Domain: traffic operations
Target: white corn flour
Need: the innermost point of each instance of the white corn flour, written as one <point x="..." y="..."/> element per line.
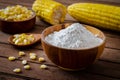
<point x="74" y="36"/>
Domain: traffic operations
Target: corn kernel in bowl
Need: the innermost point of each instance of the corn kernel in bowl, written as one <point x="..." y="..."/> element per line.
<point x="15" y="13"/>
<point x="23" y="39"/>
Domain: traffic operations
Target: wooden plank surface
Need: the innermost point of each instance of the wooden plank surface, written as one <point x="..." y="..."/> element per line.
<point x="107" y="67"/>
<point x="102" y="71"/>
<point x="3" y="77"/>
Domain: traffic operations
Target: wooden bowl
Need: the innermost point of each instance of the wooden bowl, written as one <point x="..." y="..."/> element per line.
<point x="72" y="59"/>
<point x="37" y="38"/>
<point x="13" y="27"/>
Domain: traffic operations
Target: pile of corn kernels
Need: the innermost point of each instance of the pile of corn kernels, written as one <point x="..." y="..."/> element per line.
<point x="26" y="66"/>
<point x="15" y="13"/>
<point x="23" y="39"/>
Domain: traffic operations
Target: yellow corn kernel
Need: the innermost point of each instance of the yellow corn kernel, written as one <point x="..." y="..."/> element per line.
<point x="99" y="15"/>
<point x="41" y="59"/>
<point x="32" y="54"/>
<point x="17" y="70"/>
<point x="21" y="53"/>
<point x="49" y="11"/>
<point x="11" y="58"/>
<point x="27" y="67"/>
<point x="24" y="62"/>
<point x="43" y="66"/>
<point x="33" y="57"/>
<point x="18" y="41"/>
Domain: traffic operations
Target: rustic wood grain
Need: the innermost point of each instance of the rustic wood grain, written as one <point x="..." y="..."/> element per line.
<point x="37" y="73"/>
<point x="112" y="55"/>
<point x="3" y="77"/>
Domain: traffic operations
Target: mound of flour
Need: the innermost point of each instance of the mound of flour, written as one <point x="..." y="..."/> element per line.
<point x="74" y="36"/>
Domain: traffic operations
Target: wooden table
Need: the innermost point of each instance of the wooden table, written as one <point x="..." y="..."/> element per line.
<point x="106" y="68"/>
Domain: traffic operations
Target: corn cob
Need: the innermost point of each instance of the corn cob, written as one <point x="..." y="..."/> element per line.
<point x="50" y="11"/>
<point x="99" y="15"/>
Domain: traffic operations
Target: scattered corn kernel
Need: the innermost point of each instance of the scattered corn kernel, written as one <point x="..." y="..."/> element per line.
<point x="11" y="58"/>
<point x="15" y="13"/>
<point x="32" y="54"/>
<point x="21" y="53"/>
<point x="27" y="67"/>
<point x="41" y="59"/>
<point x="33" y="57"/>
<point x="23" y="39"/>
<point x="43" y="66"/>
<point x="24" y="62"/>
<point x="17" y="70"/>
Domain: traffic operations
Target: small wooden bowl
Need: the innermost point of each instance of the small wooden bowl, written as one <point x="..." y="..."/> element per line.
<point x="72" y="59"/>
<point x="36" y="36"/>
<point x="13" y="27"/>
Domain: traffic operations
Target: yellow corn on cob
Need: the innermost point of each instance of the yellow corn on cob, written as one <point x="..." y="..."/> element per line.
<point x="99" y="15"/>
<point x="50" y="11"/>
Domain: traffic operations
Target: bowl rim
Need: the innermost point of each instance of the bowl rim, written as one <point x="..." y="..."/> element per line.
<point x="103" y="42"/>
<point x="33" y="16"/>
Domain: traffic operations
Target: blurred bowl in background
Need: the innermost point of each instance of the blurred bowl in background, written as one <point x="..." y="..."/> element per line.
<point x="13" y="27"/>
